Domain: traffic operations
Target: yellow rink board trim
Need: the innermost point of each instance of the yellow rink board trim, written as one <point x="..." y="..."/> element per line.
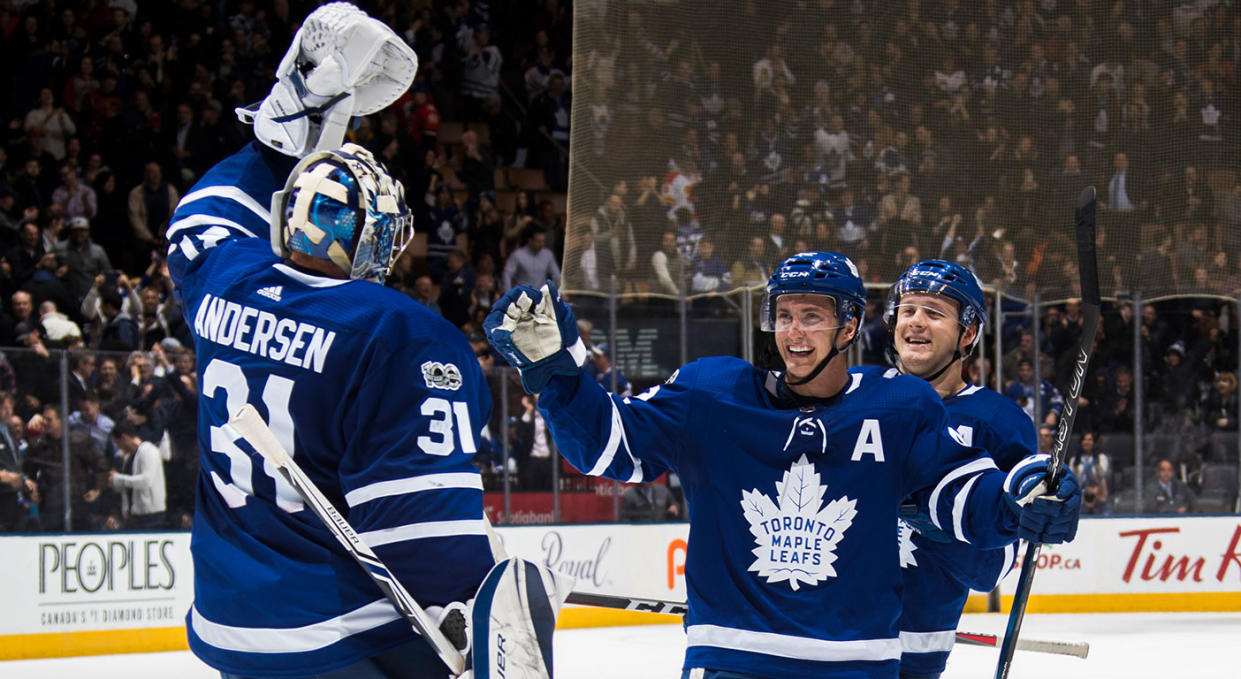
<point x="62" y="644"/>
<point x="27" y="646"/>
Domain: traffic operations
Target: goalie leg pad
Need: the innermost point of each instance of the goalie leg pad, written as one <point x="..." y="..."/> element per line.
<point x="512" y="619"/>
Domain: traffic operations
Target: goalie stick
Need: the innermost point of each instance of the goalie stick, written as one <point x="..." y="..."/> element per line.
<point x="1088" y="270"/>
<point x="247" y="422"/>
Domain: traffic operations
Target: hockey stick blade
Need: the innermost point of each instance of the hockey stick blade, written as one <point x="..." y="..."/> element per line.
<point x="250" y="425"/>
<point x="1078" y="649"/>
<point x="1088" y="271"/>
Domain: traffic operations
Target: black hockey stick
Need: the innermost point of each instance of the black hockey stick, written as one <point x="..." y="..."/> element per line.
<point x="1088" y="270"/>
<point x="254" y="430"/>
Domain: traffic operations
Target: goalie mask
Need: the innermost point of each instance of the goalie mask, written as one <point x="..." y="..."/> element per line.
<point x="343" y="206"/>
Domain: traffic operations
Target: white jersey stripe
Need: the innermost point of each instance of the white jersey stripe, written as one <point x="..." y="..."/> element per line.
<point x="1008" y="562"/>
<point x="971" y="467"/>
<point x="927" y="642"/>
<point x="798" y="648"/>
<point x="426" y="529"/>
<point x="616" y="438"/>
<point x="292" y="639"/>
<point x="309" y="280"/>
<point x="232" y="193"/>
<point x="413" y="484"/>
<point x="200" y="220"/>
<point x="958" y="508"/>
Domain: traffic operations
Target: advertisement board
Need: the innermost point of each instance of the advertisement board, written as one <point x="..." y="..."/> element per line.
<point x="128" y="592"/>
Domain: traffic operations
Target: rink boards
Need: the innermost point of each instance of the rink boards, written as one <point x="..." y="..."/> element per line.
<point x="128" y="592"/>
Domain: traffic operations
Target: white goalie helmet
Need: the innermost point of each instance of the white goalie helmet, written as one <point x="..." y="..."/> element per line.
<point x="343" y="206"/>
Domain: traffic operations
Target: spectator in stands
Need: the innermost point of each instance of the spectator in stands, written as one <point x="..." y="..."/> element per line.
<point x="480" y="73"/>
<point x="75" y="199"/>
<point x="1219" y="413"/>
<point x="1125" y="192"/>
<point x="616" y="249"/>
<point x="854" y="224"/>
<point x="477" y="167"/>
<point x="84" y="258"/>
<point x="1025" y="351"/>
<point x="535" y="459"/>
<point x="150" y="205"/>
<point x="1167" y="494"/>
<point x="446" y="232"/>
<point x="454" y="300"/>
<point x="601" y="367"/>
<point x="1093" y="466"/>
<point x="548" y="122"/>
<point x="88" y="470"/>
<point x="51" y="122"/>
<point x="118" y="331"/>
<point x="16" y="489"/>
<point x="668" y="266"/>
<point x="114" y="394"/>
<point x="751" y="269"/>
<point x="24" y="256"/>
<point x="140" y="479"/>
<point x="153" y="326"/>
<point x="45" y="285"/>
<point x="88" y="418"/>
<point x="424" y="294"/>
<point x="708" y="273"/>
<point x="531" y="264"/>
<point x="649" y="502"/>
<point x="1175" y="382"/>
<point x="1051" y="402"/>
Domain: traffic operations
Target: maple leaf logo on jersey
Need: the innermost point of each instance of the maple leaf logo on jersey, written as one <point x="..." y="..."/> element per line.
<point x="797" y="539"/>
<point x="906" y="537"/>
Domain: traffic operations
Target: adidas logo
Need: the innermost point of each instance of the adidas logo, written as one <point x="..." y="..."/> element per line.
<point x="272" y="292"/>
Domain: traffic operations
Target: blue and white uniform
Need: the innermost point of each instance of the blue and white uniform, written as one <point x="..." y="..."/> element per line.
<point x="939" y="572"/>
<point x="380" y="401"/>
<point x="791" y="569"/>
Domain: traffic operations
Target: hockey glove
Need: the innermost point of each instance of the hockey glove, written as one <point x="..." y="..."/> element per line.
<point x="342" y="63"/>
<point x="1049" y="519"/>
<point x="536" y="332"/>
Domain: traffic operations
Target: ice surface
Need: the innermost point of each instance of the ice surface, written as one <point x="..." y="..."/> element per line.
<point x="1123" y="646"/>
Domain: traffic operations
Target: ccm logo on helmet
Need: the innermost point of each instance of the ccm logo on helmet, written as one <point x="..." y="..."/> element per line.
<point x="795" y="274"/>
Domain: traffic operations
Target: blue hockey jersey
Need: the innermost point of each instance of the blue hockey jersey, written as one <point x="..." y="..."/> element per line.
<point x="939" y="575"/>
<point x="791" y="568"/>
<point x="380" y="401"/>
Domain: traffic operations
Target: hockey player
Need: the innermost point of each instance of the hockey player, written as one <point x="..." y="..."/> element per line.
<point x="936" y="313"/>
<point x="380" y="401"/>
<point x="794" y="480"/>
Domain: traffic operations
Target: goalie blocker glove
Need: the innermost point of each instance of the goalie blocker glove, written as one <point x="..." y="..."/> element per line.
<point x="1044" y="518"/>
<point x="536" y="332"/>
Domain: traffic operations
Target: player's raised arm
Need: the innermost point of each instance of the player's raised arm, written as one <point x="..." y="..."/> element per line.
<point x="627" y="439"/>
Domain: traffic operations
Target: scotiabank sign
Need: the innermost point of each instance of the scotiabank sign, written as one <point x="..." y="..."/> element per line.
<point x="1143" y="555"/>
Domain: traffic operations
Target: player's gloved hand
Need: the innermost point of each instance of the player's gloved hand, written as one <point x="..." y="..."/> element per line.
<point x="1043" y="517"/>
<point x="536" y="332"/>
<point x="342" y="63"/>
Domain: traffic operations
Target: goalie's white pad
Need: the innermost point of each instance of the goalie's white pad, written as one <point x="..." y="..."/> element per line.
<point x="342" y="63"/>
<point x="512" y="619"/>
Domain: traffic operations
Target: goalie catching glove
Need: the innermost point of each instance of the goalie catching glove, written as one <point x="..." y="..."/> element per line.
<point x="1043" y="517"/>
<point x="342" y="63"/>
<point x="536" y="333"/>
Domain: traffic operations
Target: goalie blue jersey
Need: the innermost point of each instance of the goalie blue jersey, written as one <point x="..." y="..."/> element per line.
<point x="791" y="569"/>
<point x="940" y="574"/>
<point x="380" y="401"/>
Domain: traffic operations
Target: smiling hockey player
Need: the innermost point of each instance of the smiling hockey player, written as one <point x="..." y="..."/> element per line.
<point x="794" y="479"/>
<point x="936" y="313"/>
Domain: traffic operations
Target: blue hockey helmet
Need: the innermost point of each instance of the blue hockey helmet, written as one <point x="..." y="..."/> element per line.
<point x="940" y="277"/>
<point x="344" y="207"/>
<point x="817" y="273"/>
